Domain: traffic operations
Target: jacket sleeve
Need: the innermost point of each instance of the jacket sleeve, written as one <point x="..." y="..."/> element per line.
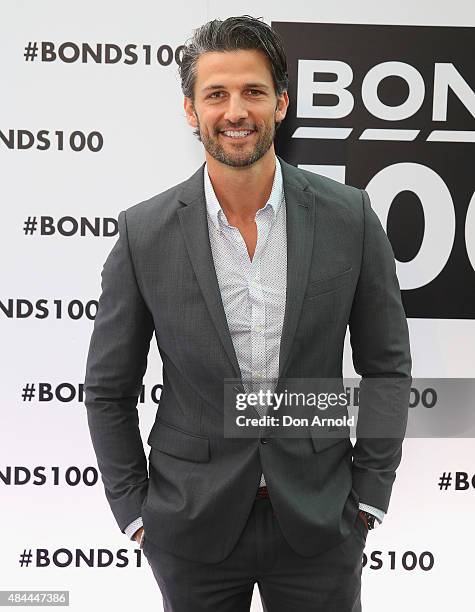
<point x="381" y="355"/>
<point x="116" y="364"/>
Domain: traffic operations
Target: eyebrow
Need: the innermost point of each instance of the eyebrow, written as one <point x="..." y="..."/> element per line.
<point x="246" y="85"/>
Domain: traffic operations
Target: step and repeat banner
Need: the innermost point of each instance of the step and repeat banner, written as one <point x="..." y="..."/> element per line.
<point x="92" y="122"/>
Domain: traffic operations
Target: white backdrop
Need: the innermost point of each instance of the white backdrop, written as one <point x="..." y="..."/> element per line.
<point x="147" y="147"/>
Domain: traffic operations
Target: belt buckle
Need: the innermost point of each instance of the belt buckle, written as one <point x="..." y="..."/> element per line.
<point x="262" y="492"/>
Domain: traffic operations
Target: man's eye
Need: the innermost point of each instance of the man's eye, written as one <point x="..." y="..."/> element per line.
<point x="217" y="94"/>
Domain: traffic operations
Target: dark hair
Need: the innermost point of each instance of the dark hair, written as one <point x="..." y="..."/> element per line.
<point x="232" y="34"/>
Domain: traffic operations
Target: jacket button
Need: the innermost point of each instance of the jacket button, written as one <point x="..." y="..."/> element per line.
<point x="264" y="440"/>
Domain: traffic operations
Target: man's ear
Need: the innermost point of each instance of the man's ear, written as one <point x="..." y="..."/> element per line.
<point x="190" y="112"/>
<point x="281" y="108"/>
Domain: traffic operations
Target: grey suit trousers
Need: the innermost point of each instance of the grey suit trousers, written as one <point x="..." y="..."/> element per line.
<point x="288" y="582"/>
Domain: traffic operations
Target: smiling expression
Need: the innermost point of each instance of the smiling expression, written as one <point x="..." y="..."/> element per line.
<point x="236" y="108"/>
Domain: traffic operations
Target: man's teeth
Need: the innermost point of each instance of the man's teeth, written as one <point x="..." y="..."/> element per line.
<point x="240" y="134"/>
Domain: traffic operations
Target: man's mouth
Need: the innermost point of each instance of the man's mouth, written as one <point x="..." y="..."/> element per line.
<point x="237" y="134"/>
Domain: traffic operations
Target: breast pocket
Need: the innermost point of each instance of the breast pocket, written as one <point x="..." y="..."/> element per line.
<point x="328" y="284"/>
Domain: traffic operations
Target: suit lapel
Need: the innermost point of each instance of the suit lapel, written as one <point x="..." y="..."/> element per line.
<point x="194" y="226"/>
<point x="300" y="205"/>
<point x="300" y="232"/>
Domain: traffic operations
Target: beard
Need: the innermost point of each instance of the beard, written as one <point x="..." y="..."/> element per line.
<point x="236" y="155"/>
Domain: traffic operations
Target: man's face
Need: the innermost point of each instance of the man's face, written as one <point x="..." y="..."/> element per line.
<point x="235" y="108"/>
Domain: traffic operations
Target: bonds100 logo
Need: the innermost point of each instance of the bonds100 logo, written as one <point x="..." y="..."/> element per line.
<point x="391" y="109"/>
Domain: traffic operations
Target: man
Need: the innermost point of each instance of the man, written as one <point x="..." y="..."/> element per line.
<point x="250" y="270"/>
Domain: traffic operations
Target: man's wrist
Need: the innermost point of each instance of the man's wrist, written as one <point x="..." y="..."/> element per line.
<point x="139" y="536"/>
<point x="133" y="527"/>
<point x="377" y="512"/>
<point x="368" y="518"/>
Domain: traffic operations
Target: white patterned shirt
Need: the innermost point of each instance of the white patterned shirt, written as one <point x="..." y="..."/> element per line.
<point x="253" y="292"/>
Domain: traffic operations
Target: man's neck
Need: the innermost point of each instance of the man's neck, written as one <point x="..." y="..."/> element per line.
<point x="241" y="192"/>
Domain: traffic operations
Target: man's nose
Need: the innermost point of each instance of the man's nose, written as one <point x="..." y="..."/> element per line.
<point x="236" y="109"/>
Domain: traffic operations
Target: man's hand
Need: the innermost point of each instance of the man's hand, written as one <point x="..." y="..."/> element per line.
<point x="138" y="536"/>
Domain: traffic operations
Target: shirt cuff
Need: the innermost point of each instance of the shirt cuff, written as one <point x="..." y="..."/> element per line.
<point x="379" y="514"/>
<point x="132" y="528"/>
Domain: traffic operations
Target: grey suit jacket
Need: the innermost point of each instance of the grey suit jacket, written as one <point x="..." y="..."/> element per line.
<point x="159" y="277"/>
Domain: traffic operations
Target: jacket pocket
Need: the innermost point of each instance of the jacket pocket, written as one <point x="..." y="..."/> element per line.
<point x="321" y="444"/>
<point x="325" y="285"/>
<point x="328" y="435"/>
<point x="178" y="443"/>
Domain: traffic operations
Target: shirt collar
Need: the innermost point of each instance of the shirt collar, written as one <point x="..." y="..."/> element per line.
<point x="214" y="208"/>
